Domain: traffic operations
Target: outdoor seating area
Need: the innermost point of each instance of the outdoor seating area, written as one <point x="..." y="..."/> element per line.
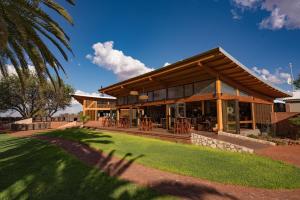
<point x="182" y="126"/>
<point x="146" y="124"/>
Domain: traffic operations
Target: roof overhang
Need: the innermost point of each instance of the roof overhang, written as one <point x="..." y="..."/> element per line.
<point x="80" y="98"/>
<point x="208" y="65"/>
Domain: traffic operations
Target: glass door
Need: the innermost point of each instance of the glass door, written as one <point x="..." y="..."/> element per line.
<point x="231" y="116"/>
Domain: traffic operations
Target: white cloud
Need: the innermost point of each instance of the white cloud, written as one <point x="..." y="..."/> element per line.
<point x="275" y="21"/>
<point x="246" y="3"/>
<point x="166" y="64"/>
<point x="12" y="71"/>
<point x="112" y="59"/>
<point x="283" y="13"/>
<point x="235" y="15"/>
<point x="278" y="78"/>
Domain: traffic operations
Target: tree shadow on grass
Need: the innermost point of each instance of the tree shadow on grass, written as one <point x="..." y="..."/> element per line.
<point x="81" y="135"/>
<point x="32" y="169"/>
<point x="189" y="191"/>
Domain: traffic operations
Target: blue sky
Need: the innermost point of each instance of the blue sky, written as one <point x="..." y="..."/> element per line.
<point x="261" y="34"/>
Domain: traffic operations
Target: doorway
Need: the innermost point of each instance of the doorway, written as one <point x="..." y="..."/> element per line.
<point x="176" y="110"/>
<point x="230" y="110"/>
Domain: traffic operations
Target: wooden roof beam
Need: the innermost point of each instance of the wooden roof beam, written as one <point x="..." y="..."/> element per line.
<point x="161" y="71"/>
<point x="230" y="82"/>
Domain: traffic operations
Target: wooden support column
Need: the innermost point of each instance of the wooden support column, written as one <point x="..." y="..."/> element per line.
<point x="253" y="116"/>
<point x="167" y="117"/>
<point x="138" y="117"/>
<point x="83" y="107"/>
<point x="118" y="117"/>
<point x="130" y="117"/>
<point x="237" y="116"/>
<point x="237" y="91"/>
<point x="202" y="107"/>
<point x="219" y="105"/>
<point x="272" y="107"/>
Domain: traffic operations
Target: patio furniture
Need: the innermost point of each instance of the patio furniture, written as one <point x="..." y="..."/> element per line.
<point x="146" y="124"/>
<point x="124" y="122"/>
<point x="182" y="125"/>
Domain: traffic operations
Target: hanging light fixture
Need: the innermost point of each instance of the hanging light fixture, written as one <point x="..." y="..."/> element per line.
<point x="143" y="96"/>
<point x="134" y="93"/>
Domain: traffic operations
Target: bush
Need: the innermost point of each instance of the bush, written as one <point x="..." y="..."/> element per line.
<point x="295" y="121"/>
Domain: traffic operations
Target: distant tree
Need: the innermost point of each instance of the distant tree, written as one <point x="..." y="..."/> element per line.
<point x="26" y="30"/>
<point x="31" y="99"/>
<point x="84" y="118"/>
<point x="297" y="82"/>
<point x="56" y="97"/>
<point x="295" y="121"/>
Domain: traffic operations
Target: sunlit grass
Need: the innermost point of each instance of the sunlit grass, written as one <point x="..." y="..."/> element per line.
<point x="34" y="169"/>
<point x="202" y="162"/>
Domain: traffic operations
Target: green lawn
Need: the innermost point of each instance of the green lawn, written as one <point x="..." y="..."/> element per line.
<point x="202" y="162"/>
<point x="33" y="169"/>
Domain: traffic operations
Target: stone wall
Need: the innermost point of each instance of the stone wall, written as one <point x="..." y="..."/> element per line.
<point x="217" y="144"/>
<point x="242" y="137"/>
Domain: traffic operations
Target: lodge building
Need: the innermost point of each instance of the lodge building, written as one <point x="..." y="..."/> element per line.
<point x="98" y="106"/>
<point x="212" y="87"/>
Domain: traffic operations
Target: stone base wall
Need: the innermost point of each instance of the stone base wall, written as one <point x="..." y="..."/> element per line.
<point x="217" y="144"/>
<point x="246" y="138"/>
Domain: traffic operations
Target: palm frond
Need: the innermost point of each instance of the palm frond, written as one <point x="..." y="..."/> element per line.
<point x="22" y="23"/>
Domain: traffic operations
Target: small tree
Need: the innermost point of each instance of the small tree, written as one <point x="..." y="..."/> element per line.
<point x="26" y="100"/>
<point x="32" y="99"/>
<point x="297" y="82"/>
<point x="296" y="122"/>
<point x="56" y="97"/>
<point x="84" y="118"/>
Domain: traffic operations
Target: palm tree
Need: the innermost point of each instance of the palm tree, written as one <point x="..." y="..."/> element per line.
<point x="24" y="26"/>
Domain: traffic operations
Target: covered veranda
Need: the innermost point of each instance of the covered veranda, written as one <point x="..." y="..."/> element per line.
<point x="211" y="91"/>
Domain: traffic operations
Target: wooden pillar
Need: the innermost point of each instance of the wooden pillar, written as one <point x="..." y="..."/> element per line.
<point x="167" y="117"/>
<point x="237" y="116"/>
<point x="219" y="105"/>
<point x="118" y="116"/>
<point x="130" y="117"/>
<point x="138" y="117"/>
<point x="203" y="107"/>
<point x="237" y="91"/>
<point x="272" y="107"/>
<point x="253" y="116"/>
<point x="83" y="107"/>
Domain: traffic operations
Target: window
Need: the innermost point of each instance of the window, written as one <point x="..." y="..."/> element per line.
<point x="122" y="100"/>
<point x="150" y="96"/>
<point x="159" y="94"/>
<point x="205" y="87"/>
<point x="175" y="92"/>
<point x="132" y="99"/>
<point x="188" y="90"/>
<point x="227" y="89"/>
<point x="244" y="94"/>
